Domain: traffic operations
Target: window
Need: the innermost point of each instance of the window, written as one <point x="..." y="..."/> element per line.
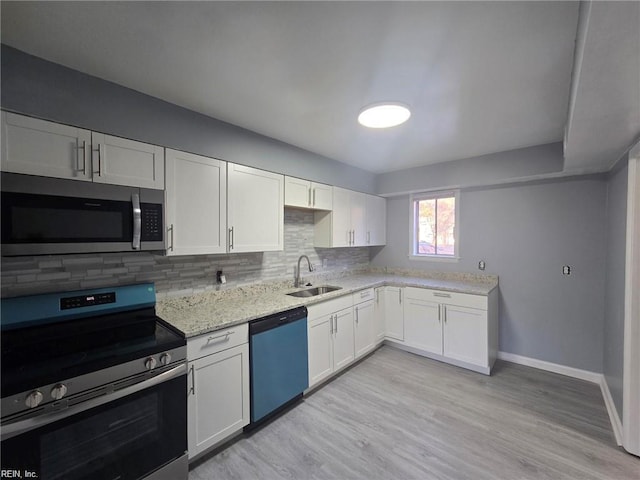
<point x="435" y="229"/>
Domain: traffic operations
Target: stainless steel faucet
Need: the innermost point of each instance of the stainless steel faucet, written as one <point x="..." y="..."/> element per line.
<point x="297" y="282"/>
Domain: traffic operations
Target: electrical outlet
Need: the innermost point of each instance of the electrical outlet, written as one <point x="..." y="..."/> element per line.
<point x="566" y="270"/>
<point x="481" y="265"/>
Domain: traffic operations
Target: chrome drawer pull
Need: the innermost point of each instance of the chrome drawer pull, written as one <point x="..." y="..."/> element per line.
<point x="444" y="295"/>
<point x="224" y="336"/>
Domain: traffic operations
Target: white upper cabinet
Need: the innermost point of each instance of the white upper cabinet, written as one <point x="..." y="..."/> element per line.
<point x="345" y="225"/>
<point x="255" y="202"/>
<point x="305" y="194"/>
<point x="120" y="161"/>
<point x="376" y="220"/>
<point x="39" y="147"/>
<point x="196" y="206"/>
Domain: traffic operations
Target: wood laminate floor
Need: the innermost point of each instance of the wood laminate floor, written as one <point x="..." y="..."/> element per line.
<point x="400" y="416"/>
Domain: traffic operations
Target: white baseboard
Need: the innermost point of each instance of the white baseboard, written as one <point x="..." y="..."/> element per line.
<point x="616" y="424"/>
<point x="587" y="375"/>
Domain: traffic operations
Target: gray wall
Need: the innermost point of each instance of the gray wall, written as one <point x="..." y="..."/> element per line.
<point x="526" y="233"/>
<point x="178" y="275"/>
<point x="35" y="87"/>
<point x="497" y="168"/>
<point x="615" y="281"/>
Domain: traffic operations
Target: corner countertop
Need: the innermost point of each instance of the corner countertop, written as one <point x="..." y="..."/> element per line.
<point x="209" y="311"/>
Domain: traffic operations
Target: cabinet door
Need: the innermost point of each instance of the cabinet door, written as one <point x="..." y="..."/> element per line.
<point x="364" y="322"/>
<point x="376" y="220"/>
<point x="321" y="196"/>
<point x="423" y="325"/>
<point x="255" y="201"/>
<point x="343" y="348"/>
<point x="341" y="218"/>
<point x="358" y="219"/>
<point x="218" y="404"/>
<point x="393" y="314"/>
<point x="119" y="161"/>
<point x="319" y="334"/>
<point x="297" y="192"/>
<point x="38" y="147"/>
<point x="466" y="335"/>
<point x="379" y="316"/>
<point x="196" y="204"/>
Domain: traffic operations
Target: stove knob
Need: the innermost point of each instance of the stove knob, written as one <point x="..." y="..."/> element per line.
<point x="58" y="391"/>
<point x="150" y="363"/>
<point x="34" y="399"/>
<point x="165" y="358"/>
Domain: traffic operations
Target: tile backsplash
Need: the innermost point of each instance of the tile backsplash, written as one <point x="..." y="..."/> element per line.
<point x="180" y="274"/>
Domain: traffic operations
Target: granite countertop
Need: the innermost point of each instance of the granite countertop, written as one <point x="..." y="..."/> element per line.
<point x="209" y="311"/>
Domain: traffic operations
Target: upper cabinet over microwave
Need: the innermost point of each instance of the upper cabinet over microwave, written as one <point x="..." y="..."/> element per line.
<point x="38" y="147"/>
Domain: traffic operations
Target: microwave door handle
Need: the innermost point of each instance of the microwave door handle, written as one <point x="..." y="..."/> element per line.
<point x="137" y="221"/>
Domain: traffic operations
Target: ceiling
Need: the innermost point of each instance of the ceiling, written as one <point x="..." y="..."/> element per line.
<point x="480" y="77"/>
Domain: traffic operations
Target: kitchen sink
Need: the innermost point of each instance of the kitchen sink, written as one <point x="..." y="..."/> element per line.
<point x="312" y="292"/>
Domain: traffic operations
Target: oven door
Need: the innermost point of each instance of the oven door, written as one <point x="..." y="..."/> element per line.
<point x="138" y="435"/>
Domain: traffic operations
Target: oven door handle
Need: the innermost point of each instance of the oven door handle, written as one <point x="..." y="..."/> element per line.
<point x="22" y="426"/>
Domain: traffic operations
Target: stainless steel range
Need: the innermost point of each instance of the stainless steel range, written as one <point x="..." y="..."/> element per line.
<point x="93" y="387"/>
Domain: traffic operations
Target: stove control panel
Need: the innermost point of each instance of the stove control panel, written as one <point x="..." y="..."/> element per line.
<point x="79" y="301"/>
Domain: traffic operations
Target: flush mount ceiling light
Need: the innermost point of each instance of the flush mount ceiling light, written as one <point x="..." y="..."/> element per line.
<point x="384" y="115"/>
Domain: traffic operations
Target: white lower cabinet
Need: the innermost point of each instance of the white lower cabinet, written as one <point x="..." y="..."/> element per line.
<point x="391" y="298"/>
<point x="454" y="327"/>
<point x="378" y="311"/>
<point x="422" y="324"/>
<point x="364" y="322"/>
<point x="330" y="335"/>
<point x="218" y="387"/>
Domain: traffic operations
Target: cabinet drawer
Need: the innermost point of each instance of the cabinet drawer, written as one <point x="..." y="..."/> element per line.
<point x="363" y="296"/>
<point x="217" y="341"/>
<point x="450" y="298"/>
<point x="329" y="307"/>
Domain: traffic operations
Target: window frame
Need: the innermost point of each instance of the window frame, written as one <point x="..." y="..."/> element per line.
<point x="434" y="257"/>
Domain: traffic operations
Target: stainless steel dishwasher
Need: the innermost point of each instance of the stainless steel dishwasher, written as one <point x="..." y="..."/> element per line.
<point x="278" y="357"/>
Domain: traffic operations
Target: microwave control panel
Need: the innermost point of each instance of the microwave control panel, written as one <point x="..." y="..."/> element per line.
<point x="152" y="228"/>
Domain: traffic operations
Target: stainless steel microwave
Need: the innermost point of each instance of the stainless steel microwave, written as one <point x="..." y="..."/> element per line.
<point x="42" y="215"/>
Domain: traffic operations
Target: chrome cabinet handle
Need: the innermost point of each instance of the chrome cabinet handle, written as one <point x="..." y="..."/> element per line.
<point x="137" y="221"/>
<point x="443" y="295"/>
<point x="399" y="295"/>
<point x="331" y="325"/>
<point x="310" y="196"/>
<point x="231" y="238"/>
<point x="444" y="312"/>
<point x="368" y="237"/>
<point x="314" y="197"/>
<point x="377" y="295"/>
<point x="84" y="157"/>
<point x="171" y="237"/>
<point x="336" y="320"/>
<point x="439" y="312"/>
<point x="192" y="390"/>
<point x="357" y="319"/>
<point x="224" y="336"/>
<point x="99" y="150"/>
